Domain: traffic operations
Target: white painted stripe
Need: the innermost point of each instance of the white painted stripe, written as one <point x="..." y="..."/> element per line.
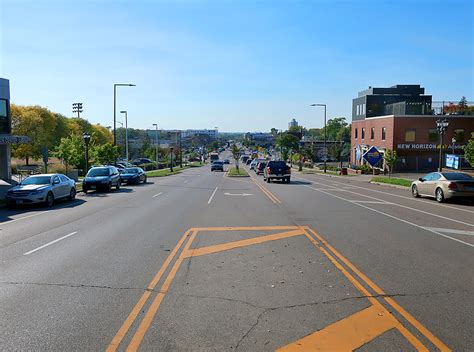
<point x="212" y="196"/>
<point x="156" y="195"/>
<point x="50" y="243"/>
<point x="369" y="201"/>
<point x="396" y="218"/>
<point x="459" y="232"/>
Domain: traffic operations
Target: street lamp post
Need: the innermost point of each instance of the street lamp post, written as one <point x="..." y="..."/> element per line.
<point x="115" y="104"/>
<point x="87" y="138"/>
<point x="325" y="151"/>
<point x="453" y="140"/>
<point x="156" y="143"/>
<point x="180" y="151"/>
<point x="126" y="135"/>
<point x="442" y="126"/>
<point x="171" y="157"/>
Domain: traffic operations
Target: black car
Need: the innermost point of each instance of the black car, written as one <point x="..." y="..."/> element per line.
<point x="277" y="170"/>
<point x="249" y="160"/>
<point x="101" y="178"/>
<point x="217" y="165"/>
<point x="260" y="167"/>
<point x="133" y="175"/>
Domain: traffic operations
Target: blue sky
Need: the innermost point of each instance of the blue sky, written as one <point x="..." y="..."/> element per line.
<point x="237" y="65"/>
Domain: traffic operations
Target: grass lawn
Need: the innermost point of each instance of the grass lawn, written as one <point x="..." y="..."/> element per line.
<point x="393" y="181"/>
<point x="233" y="172"/>
<point x="176" y="170"/>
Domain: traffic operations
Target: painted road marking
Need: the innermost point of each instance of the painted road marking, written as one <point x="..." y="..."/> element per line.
<point x="269" y="194"/>
<point x="144" y="298"/>
<point x="399" y="196"/>
<point x="158" y="194"/>
<point x="50" y="243"/>
<point x="396" y="218"/>
<point x="238" y="194"/>
<point x="459" y="232"/>
<point x="370" y="201"/>
<point x="212" y="196"/>
<point x="346" y="334"/>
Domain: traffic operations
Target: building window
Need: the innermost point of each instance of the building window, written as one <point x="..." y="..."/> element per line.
<point x="356" y="133"/>
<point x="410" y="135"/>
<point x="358" y="110"/>
<point x="459" y="135"/>
<point x="372" y="133"/>
<point x="4" y="123"/>
<point x="384" y="131"/>
<point x="363" y="109"/>
<point x="433" y="135"/>
<point x="363" y="133"/>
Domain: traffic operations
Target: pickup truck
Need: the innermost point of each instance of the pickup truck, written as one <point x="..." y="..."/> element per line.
<point x="277" y="170"/>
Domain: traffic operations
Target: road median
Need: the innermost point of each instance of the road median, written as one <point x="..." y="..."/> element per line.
<point x="234" y="172"/>
<point x="401" y="183"/>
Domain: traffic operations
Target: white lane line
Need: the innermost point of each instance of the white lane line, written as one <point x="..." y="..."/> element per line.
<point x="185" y="181"/>
<point x="156" y="195"/>
<point x="369" y="201"/>
<point x="396" y="218"/>
<point x="212" y="196"/>
<point x="399" y="196"/>
<point x="406" y="207"/>
<point x="50" y="243"/>
<point x="459" y="232"/>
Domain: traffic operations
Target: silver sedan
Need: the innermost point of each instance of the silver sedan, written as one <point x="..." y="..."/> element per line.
<point x="444" y="185"/>
<point x="45" y="188"/>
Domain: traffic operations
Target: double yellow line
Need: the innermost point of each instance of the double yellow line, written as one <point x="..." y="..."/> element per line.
<point x="269" y="194"/>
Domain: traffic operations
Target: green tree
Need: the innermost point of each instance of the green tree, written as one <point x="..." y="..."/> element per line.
<point x="105" y="153"/>
<point x="235" y="154"/>
<point x="287" y="142"/>
<point x="469" y="151"/>
<point x="390" y="157"/>
<point x="333" y="127"/>
<point x="71" y="151"/>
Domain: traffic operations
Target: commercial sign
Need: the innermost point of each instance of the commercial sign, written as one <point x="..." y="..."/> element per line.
<point x="373" y="156"/>
<point x="426" y="146"/>
<point x="453" y="161"/>
<point x="358" y="153"/>
<point x="7" y="139"/>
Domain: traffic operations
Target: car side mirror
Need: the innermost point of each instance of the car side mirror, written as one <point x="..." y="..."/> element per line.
<point x="56" y="182"/>
<point x="421" y="179"/>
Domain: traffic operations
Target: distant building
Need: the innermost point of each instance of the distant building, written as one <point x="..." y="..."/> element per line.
<point x="401" y="118"/>
<point x="292" y="123"/>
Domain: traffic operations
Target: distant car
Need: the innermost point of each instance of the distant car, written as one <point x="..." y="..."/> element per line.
<point x="217" y="166"/>
<point x="244" y="158"/>
<point x="248" y="161"/>
<point x="444" y="185"/>
<point x="226" y="161"/>
<point x="44" y="188"/>
<point x="254" y="163"/>
<point x="260" y="167"/>
<point x="140" y="161"/>
<point x="277" y="170"/>
<point x="124" y="164"/>
<point x="133" y="175"/>
<point x="101" y="178"/>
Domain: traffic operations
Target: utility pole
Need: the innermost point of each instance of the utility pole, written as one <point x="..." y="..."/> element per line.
<point x="442" y="126"/>
<point x="156" y="143"/>
<point x="126" y="134"/>
<point x="77" y="109"/>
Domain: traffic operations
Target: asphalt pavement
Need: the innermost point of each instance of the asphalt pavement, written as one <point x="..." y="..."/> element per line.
<point x="200" y="261"/>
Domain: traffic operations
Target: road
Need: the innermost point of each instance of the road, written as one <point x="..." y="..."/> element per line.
<point x="201" y="261"/>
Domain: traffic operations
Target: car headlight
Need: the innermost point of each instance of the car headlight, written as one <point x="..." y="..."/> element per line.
<point x="104" y="181"/>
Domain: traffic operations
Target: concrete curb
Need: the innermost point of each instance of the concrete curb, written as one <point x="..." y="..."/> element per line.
<point x="390" y="185"/>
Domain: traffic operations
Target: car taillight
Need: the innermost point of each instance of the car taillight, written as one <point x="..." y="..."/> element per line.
<point x="269" y="170"/>
<point x="452" y="185"/>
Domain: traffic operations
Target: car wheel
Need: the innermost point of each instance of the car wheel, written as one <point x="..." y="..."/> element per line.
<point x="49" y="200"/>
<point x="84" y="190"/>
<point x="287" y="180"/>
<point x="108" y="188"/>
<point x="268" y="180"/>
<point x="439" y="195"/>
<point x="118" y="186"/>
<point x="72" y="194"/>
<point x="414" y="191"/>
<point x="144" y="180"/>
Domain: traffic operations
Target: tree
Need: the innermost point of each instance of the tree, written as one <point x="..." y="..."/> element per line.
<point x="105" y="153"/>
<point x="390" y="157"/>
<point x="469" y="151"/>
<point x="236" y="154"/>
<point x="333" y="127"/>
<point x="71" y="151"/>
<point x="287" y="142"/>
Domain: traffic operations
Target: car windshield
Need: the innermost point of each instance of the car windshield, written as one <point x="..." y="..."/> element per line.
<point x="454" y="176"/>
<point x="98" y="172"/>
<point x="277" y="163"/>
<point x="37" y="180"/>
<point x="131" y="171"/>
<point x="217" y="162"/>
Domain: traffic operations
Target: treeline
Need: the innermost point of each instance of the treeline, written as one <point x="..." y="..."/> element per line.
<point x="60" y="136"/>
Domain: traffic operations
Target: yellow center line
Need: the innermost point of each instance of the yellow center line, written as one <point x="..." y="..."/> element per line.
<point x="141" y="302"/>
<point x="153" y="309"/>
<point x="433" y="339"/>
<point x="269" y="194"/>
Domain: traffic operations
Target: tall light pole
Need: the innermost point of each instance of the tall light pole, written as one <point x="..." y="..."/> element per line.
<point x="115" y="104"/>
<point x="325" y="150"/>
<point x="126" y="134"/>
<point x="171" y="157"/>
<point x="77" y="108"/>
<point x="87" y="138"/>
<point x="442" y="126"/>
<point x="156" y="143"/>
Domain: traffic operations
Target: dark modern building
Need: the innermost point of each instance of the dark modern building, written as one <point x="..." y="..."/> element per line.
<point x="401" y="99"/>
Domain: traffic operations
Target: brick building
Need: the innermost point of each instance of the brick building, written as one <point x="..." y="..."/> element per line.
<point x="413" y="136"/>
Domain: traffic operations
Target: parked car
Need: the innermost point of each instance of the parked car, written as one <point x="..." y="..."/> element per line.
<point x="277" y="170"/>
<point x="217" y="165"/>
<point x="248" y="161"/>
<point x="444" y="185"/>
<point x="140" y="161"/>
<point x="226" y="161"/>
<point x="44" y="188"/>
<point x="101" y="178"/>
<point x="133" y="175"/>
<point x="260" y="167"/>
